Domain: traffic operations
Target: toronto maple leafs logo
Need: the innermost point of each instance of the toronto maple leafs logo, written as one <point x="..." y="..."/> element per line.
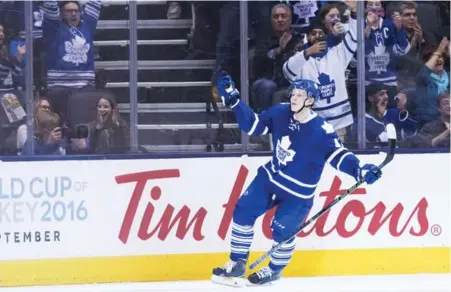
<point x="327" y="87"/>
<point x="305" y="9"/>
<point x="328" y="128"/>
<point x="283" y="152"/>
<point x="76" y="51"/>
<point x="378" y="59"/>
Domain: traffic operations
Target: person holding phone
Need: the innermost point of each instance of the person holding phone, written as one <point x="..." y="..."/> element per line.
<point x="326" y="65"/>
<point x="48" y="139"/>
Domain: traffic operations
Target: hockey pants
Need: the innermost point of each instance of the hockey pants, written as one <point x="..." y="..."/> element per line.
<point x="253" y="203"/>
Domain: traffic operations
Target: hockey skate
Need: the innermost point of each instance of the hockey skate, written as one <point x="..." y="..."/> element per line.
<point x="232" y="274"/>
<point x="264" y="276"/>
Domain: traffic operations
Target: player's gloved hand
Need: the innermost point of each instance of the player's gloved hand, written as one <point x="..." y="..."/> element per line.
<point x="369" y="173"/>
<point x="226" y="90"/>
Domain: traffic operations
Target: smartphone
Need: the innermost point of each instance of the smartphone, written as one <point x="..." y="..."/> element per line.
<point x="323" y="38"/>
<point x="82" y="131"/>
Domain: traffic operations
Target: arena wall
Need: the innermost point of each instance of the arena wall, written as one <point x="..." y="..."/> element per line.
<point x="66" y="222"/>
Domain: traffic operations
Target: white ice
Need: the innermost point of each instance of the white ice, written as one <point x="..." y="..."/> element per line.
<point x="393" y="283"/>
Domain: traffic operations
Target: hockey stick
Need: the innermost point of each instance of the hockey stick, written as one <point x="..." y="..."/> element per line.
<point x="391" y="133"/>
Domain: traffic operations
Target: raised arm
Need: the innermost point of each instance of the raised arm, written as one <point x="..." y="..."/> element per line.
<point x="92" y="13"/>
<point x="51" y="19"/>
<point x="249" y="122"/>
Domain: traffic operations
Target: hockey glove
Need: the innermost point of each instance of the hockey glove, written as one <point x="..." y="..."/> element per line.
<point x="227" y="91"/>
<point x="373" y="173"/>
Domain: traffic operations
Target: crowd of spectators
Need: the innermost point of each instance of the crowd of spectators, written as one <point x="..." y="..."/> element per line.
<point x="406" y="68"/>
<point x="406" y="64"/>
<point x="72" y="115"/>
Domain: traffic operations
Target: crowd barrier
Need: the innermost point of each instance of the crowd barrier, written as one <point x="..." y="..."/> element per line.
<point x="81" y="221"/>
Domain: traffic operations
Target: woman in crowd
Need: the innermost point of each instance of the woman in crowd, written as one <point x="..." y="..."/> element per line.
<point x="42" y="104"/>
<point x="108" y="133"/>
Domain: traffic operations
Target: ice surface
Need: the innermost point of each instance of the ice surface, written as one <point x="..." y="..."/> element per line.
<point x="404" y="283"/>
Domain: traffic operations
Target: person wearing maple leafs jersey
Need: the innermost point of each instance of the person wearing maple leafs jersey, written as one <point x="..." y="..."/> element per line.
<point x="69" y="39"/>
<point x="385" y="39"/>
<point x="305" y="142"/>
<point x="327" y="67"/>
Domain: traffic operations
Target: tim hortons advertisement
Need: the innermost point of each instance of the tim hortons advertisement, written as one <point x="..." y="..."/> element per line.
<point x="173" y="206"/>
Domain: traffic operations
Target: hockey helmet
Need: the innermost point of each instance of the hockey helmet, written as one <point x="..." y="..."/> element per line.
<point x="308" y="85"/>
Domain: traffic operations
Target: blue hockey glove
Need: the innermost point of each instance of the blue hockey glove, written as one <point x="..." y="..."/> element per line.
<point x="371" y="176"/>
<point x="226" y="90"/>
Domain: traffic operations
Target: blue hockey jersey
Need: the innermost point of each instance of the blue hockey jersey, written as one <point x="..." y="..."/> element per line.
<point x="406" y="127"/>
<point x="383" y="44"/>
<point x="38" y="17"/>
<point x="301" y="148"/>
<point x="70" y="50"/>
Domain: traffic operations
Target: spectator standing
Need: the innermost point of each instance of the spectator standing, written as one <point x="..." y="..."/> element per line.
<point x="69" y="42"/>
<point x="384" y="39"/>
<point x="327" y="66"/>
<point x="228" y="36"/>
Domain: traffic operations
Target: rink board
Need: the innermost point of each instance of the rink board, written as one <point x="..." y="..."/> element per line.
<point x="199" y="266"/>
<point x="67" y="222"/>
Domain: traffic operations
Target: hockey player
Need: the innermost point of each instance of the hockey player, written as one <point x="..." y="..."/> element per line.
<point x="304" y="143"/>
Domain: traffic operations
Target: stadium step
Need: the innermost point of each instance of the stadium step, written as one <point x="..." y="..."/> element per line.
<point x="163" y="94"/>
<point x="114" y="10"/>
<point x="157" y="53"/>
<point x="180" y="115"/>
<point x="169" y="107"/>
<point x="196" y="148"/>
<point x="176" y="127"/>
<point x="124" y="43"/>
<point x="160" y="75"/>
<point x="160" y="84"/>
<point x="157" y="64"/>
<point x="145" y="24"/>
<point x="172" y="114"/>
